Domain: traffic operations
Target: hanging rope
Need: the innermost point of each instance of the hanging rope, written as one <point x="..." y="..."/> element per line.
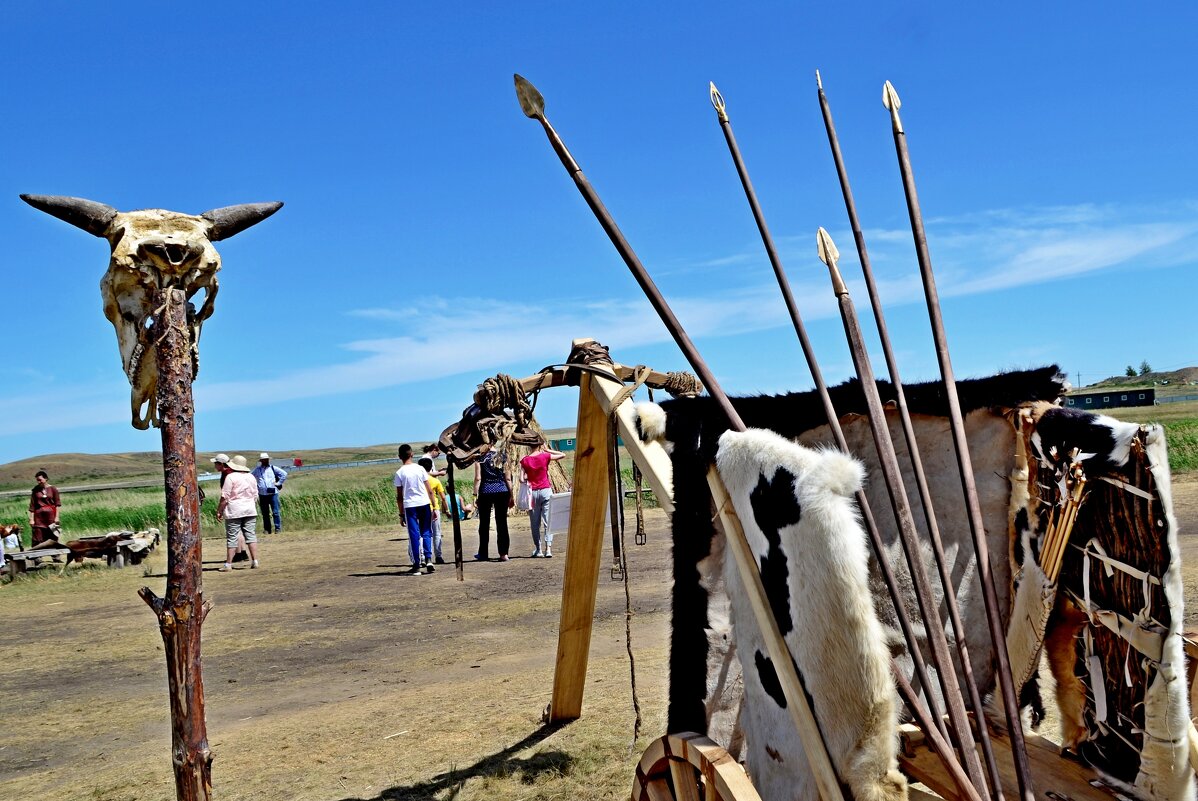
<point x="639" y="480"/>
<point x="617" y="524"/>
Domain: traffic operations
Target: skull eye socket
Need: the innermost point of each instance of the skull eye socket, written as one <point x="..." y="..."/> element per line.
<point x="129" y="317"/>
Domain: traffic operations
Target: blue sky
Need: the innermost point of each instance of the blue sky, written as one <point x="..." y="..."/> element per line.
<point x="431" y="238"/>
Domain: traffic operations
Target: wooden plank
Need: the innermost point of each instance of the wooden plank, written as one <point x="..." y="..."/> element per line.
<point x="650" y="457"/>
<point x="43" y="553"/>
<point x="584" y="548"/>
<point x="792" y="687"/>
<point x="682" y="774"/>
<point x="1053" y="776"/>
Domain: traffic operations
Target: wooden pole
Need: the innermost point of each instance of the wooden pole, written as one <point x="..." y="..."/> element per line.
<point x="867" y="515"/>
<point x="588" y="507"/>
<point x="1010" y="696"/>
<point x="901" y="505"/>
<point x="533" y="106"/>
<point x="921" y="481"/>
<point x="183" y="609"/>
<point x="455" y="522"/>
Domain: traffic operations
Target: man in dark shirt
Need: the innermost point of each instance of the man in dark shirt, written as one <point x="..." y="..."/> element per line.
<point x="43" y="508"/>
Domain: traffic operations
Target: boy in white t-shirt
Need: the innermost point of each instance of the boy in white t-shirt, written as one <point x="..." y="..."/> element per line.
<point x="413" y="494"/>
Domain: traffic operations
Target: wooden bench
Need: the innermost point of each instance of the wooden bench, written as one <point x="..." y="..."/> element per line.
<point x="19" y="562"/>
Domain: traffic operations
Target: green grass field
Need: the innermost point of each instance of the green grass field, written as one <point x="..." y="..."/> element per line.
<point x="1181" y="430"/>
<point x="313" y="500"/>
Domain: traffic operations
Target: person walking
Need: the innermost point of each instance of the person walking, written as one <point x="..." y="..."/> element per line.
<point x="413" y="496"/>
<point x="238" y="491"/>
<point x="492" y="490"/>
<point x="536" y="467"/>
<point x="270" y="484"/>
<point x="44" y="504"/>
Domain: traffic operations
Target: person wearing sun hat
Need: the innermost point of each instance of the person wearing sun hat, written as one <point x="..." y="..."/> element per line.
<point x="238" y="493"/>
<point x="270" y="484"/>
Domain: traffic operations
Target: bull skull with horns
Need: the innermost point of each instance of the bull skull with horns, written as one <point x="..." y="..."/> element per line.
<point x="153" y="249"/>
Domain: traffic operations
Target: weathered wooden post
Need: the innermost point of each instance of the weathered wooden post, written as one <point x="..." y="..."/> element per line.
<point x="182" y="610"/>
<point x="160" y="260"/>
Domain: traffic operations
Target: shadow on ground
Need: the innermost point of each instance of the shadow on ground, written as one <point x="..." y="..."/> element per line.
<point x="500" y="764"/>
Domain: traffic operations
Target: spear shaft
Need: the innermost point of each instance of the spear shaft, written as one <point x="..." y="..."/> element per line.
<point x="921" y="481"/>
<point x="533" y="106"/>
<point x="964" y="463"/>
<point x="871" y="526"/>
<point x="891" y="474"/>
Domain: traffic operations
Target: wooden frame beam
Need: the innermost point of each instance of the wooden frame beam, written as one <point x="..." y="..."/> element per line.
<point x="588" y="510"/>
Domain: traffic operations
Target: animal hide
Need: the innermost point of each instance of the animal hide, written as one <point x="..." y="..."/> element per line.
<point x="692" y="427"/>
<point x="1122" y="683"/>
<point x="795" y="505"/>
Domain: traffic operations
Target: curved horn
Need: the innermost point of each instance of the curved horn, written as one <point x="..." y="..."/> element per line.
<point x="231" y="220"/>
<point x="89" y="215"/>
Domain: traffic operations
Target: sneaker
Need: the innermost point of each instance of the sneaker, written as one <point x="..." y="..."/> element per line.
<point x="414" y="570"/>
<point x="440" y="561"/>
<point x="503" y="558"/>
<point x="428" y="568"/>
<point x="478" y="557"/>
<point x="226" y="568"/>
<point x="254" y="565"/>
<point x="536" y="554"/>
<point x="548" y="554"/>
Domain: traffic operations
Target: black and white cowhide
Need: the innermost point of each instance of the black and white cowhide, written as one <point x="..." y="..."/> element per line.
<point x="704" y="690"/>
<point x="796" y="507"/>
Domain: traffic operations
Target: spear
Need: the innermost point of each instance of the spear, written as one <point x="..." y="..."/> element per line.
<point x="977" y="530"/>
<point x="891" y="474"/>
<point x="533" y="105"/>
<point x="921" y="481"/>
<point x="871" y="526"/>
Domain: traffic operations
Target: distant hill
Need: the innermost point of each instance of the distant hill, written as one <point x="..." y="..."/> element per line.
<point x="1173" y="382"/>
<point x="73" y="469"/>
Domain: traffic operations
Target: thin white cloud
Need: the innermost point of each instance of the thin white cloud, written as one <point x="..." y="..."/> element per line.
<point x="973" y="254"/>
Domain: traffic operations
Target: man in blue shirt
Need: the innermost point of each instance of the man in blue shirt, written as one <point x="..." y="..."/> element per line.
<point x="270" y="484"/>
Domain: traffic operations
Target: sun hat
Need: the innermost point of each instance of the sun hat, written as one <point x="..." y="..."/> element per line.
<point x="237" y="463"/>
<point x="220" y="458"/>
<point x="262" y="456"/>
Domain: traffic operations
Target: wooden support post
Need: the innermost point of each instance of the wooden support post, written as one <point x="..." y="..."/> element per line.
<point x="182" y="610"/>
<point x="792" y="686"/>
<point x="588" y="509"/>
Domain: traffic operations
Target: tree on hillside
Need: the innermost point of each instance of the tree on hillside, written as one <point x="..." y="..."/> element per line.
<point x="1145" y="367"/>
<point x="1130" y="372"/>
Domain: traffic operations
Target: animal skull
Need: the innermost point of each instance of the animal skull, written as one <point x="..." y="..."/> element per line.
<point x="153" y="249"/>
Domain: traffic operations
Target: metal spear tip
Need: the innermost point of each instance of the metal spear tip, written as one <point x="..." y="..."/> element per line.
<point x="717" y="100"/>
<point x="829" y="255"/>
<point x="819" y="82"/>
<point x="890" y="99"/>
<point x="531" y="102"/>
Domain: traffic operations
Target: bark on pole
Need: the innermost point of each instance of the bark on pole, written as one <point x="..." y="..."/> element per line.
<point x="183" y="609"/>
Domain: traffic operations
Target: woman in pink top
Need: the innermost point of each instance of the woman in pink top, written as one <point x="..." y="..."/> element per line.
<point x="238" y="507"/>
<point x="536" y="467"/>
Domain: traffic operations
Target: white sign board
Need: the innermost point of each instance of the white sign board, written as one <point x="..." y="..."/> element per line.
<point x="559" y="514"/>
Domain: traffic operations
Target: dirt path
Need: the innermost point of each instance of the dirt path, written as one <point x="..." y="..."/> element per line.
<point x="330" y="675"/>
<point x="327" y="678"/>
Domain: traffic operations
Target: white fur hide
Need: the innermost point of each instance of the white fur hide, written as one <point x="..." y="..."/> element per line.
<point x="651" y="422"/>
<point x="833" y="632"/>
<point x="1165" y="770"/>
